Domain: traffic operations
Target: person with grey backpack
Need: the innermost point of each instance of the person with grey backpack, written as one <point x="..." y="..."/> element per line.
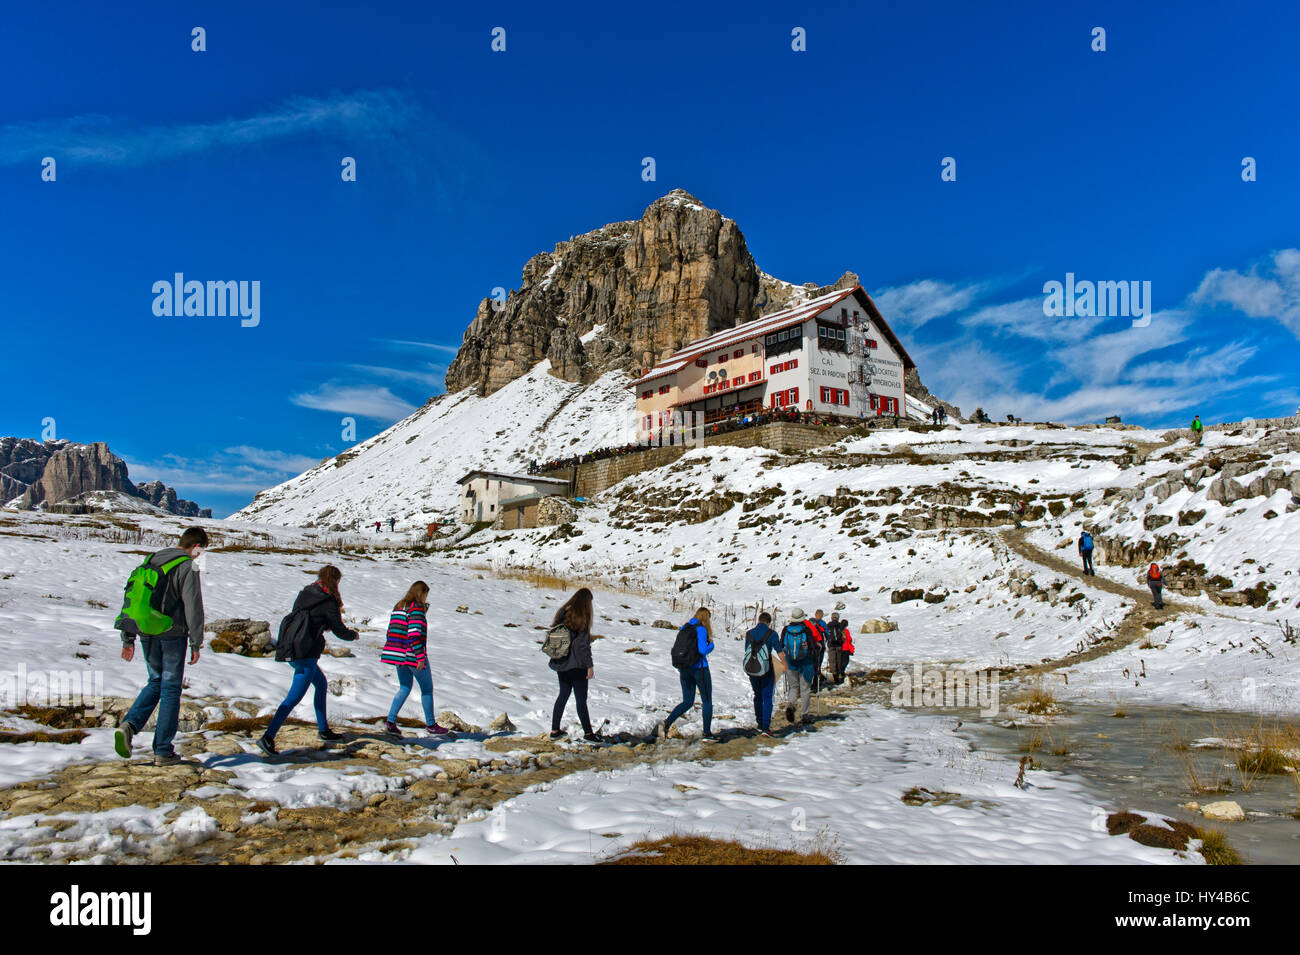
<point x="762" y="647"/>
<point x="568" y="644"/>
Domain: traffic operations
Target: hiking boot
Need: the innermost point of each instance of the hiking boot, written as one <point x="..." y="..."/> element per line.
<point x="329" y="736"/>
<point x="437" y="729"/>
<point x="558" y="734"/>
<point x="122" y="740"/>
<point x="166" y="759"/>
<point x="593" y="737"/>
<point x="789" y="714"/>
<point x="267" y="746"/>
<point x="392" y="729"/>
<point x="766" y="733"/>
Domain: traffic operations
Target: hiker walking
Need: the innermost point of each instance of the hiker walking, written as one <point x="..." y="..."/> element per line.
<point x="392" y="521"/>
<point x="1085" y="551"/>
<point x="1020" y="512"/>
<point x="301" y="641"/>
<point x="762" y="647"/>
<point x="1198" y="430"/>
<point x="818" y="627"/>
<point x="164" y="606"/>
<point x="836" y="632"/>
<point x="690" y="656"/>
<point x="407" y="649"/>
<point x="575" y="668"/>
<point x="797" y="644"/>
<point x="1156" y="582"/>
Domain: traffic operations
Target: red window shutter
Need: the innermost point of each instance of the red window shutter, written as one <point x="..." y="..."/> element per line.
<point x="738" y="353"/>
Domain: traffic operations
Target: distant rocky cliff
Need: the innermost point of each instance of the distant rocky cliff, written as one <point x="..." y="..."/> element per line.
<point x="61" y="474"/>
<point x="680" y="272"/>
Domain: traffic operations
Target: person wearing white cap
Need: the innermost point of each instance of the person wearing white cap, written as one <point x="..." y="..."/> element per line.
<point x="797" y="641"/>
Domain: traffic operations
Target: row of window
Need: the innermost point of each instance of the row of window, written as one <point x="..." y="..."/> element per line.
<point x="784" y="399"/>
<point x="783" y="366"/>
<point x="723" y="358"/>
<point x="835" y="396"/>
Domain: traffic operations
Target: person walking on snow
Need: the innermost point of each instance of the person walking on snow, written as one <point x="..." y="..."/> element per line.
<point x="696" y="676"/>
<point x="818" y="627"/>
<point x="1198" y="430"/>
<point x="407" y="649"/>
<point x="164" y="654"/>
<point x="836" y="634"/>
<point x="1156" y="582"/>
<point x="576" y="669"/>
<point x="1085" y="551"/>
<point x="762" y="646"/>
<point x="392" y="521"/>
<point x="797" y="644"/>
<point x="323" y="605"/>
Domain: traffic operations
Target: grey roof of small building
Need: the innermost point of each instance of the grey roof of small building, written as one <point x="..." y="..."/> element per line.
<point x="522" y="478"/>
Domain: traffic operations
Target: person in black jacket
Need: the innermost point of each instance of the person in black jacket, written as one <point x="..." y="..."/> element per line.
<point x="324" y="605"/>
<point x="577" y="668"/>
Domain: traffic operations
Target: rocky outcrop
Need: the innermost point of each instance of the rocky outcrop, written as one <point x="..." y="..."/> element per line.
<point x="645" y="288"/>
<point x="51" y="474"/>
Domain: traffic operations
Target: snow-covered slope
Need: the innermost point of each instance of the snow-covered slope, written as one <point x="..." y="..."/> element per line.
<point x="410" y="471"/>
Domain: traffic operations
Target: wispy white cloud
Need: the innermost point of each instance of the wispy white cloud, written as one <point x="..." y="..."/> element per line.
<point x="1104" y="359"/>
<point x="1263" y="292"/>
<point x="235" y="470"/>
<point x="421" y="373"/>
<point x="367" y="114"/>
<point x="913" y="305"/>
<point x="448" y="349"/>
<point x="1025" y="319"/>
<point x="377" y="403"/>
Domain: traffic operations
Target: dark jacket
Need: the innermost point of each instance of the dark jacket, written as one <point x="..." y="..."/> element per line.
<point x="579" y="657"/>
<point x="323" y="613"/>
<point x="182" y="600"/>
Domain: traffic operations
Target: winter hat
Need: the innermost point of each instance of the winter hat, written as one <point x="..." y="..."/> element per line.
<point x="796" y="615"/>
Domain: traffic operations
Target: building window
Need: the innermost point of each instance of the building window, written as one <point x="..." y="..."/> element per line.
<point x="646" y="394"/>
<point x="774" y="369"/>
<point x="787" y="339"/>
<point x="663" y="390"/>
<point x="755" y="375"/>
<point x="722" y="359"/>
<point x="829" y="337"/>
<point x="701" y="363"/>
<point x="738" y="353"/>
<point x="872" y="343"/>
<point x="753" y="349"/>
<point x="737" y="382"/>
<point x="793" y="396"/>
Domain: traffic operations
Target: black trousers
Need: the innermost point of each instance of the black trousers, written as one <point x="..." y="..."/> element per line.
<point x="575" y="682"/>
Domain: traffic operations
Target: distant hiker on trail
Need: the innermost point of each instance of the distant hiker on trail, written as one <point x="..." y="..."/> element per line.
<point x="818" y="627"/>
<point x="301" y="641"/>
<point x="392" y="521"/>
<point x="762" y="650"/>
<point x="836" y="635"/>
<point x="164" y="606"/>
<point x="943" y="415"/>
<point x="574" y="666"/>
<point x="690" y="656"/>
<point x="1156" y="582"/>
<point x="1198" y="430"/>
<point x="1085" y="551"/>
<point x="378" y="526"/>
<point x="797" y="642"/>
<point x="1020" y="512"/>
<point x="407" y="649"/>
<point x="848" y="650"/>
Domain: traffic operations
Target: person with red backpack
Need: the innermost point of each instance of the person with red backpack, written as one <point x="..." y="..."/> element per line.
<point x="1156" y="582"/>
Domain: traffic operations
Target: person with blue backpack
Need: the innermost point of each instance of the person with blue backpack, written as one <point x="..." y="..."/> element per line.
<point x="797" y="646"/>
<point x="690" y="656"/>
<point x="1085" y="551"/>
<point x="762" y="646"/>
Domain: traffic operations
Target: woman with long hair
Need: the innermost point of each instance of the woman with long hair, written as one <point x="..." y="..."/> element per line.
<point x="696" y="677"/>
<point x="323" y="605"/>
<point x="577" y="668"/>
<point x="406" y="649"/>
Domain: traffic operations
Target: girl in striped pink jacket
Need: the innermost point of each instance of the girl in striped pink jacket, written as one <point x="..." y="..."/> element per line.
<point x="406" y="649"/>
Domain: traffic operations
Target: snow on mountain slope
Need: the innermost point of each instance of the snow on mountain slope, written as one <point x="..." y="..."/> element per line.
<point x="409" y="471"/>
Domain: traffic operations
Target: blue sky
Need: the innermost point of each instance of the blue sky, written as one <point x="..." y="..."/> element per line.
<point x="225" y="165"/>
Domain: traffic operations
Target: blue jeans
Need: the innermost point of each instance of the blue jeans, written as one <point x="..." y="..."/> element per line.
<point x="164" y="658"/>
<point x="422" y="677"/>
<point x="305" y="673"/>
<point x="764" y="689"/>
<point x="1087" y="561"/>
<point x="692" y="680"/>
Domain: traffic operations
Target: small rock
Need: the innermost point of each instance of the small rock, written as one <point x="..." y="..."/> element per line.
<point x="502" y="724"/>
<point x="663" y="625"/>
<point x="1225" y="811"/>
<point x="462" y="609"/>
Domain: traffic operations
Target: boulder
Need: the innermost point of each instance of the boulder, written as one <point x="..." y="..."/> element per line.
<point x="906" y="594"/>
<point x="1223" y="811"/>
<point x="879" y="626"/>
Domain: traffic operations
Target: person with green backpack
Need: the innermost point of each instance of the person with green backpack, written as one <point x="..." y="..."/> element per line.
<point x="797" y="642"/>
<point x="762" y="647"/>
<point x="163" y="606"/>
<point x="568" y="644"/>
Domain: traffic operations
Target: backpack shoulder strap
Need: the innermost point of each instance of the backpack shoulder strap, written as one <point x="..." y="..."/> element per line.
<point x="171" y="565"/>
